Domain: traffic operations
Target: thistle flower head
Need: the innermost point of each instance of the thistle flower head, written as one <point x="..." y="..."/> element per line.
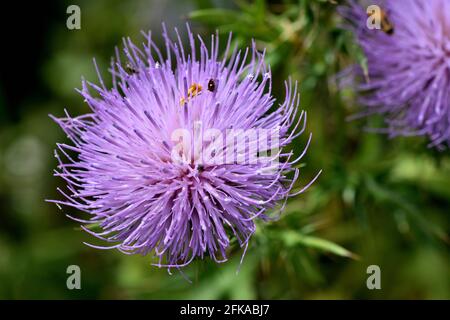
<point x="408" y="62"/>
<point x="153" y="164"/>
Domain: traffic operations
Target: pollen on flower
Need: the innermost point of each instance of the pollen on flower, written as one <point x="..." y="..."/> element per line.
<point x="194" y="90"/>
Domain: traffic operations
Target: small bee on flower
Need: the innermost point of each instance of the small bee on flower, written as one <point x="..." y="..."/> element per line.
<point x="194" y="90"/>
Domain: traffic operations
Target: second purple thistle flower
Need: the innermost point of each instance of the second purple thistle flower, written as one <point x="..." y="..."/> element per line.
<point x="408" y="62"/>
<point x="181" y="196"/>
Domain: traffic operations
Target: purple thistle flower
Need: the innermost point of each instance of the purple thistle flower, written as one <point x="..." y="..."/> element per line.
<point x="408" y="66"/>
<point x="124" y="174"/>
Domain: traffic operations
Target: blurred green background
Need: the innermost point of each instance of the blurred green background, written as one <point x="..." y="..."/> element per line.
<point x="378" y="201"/>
